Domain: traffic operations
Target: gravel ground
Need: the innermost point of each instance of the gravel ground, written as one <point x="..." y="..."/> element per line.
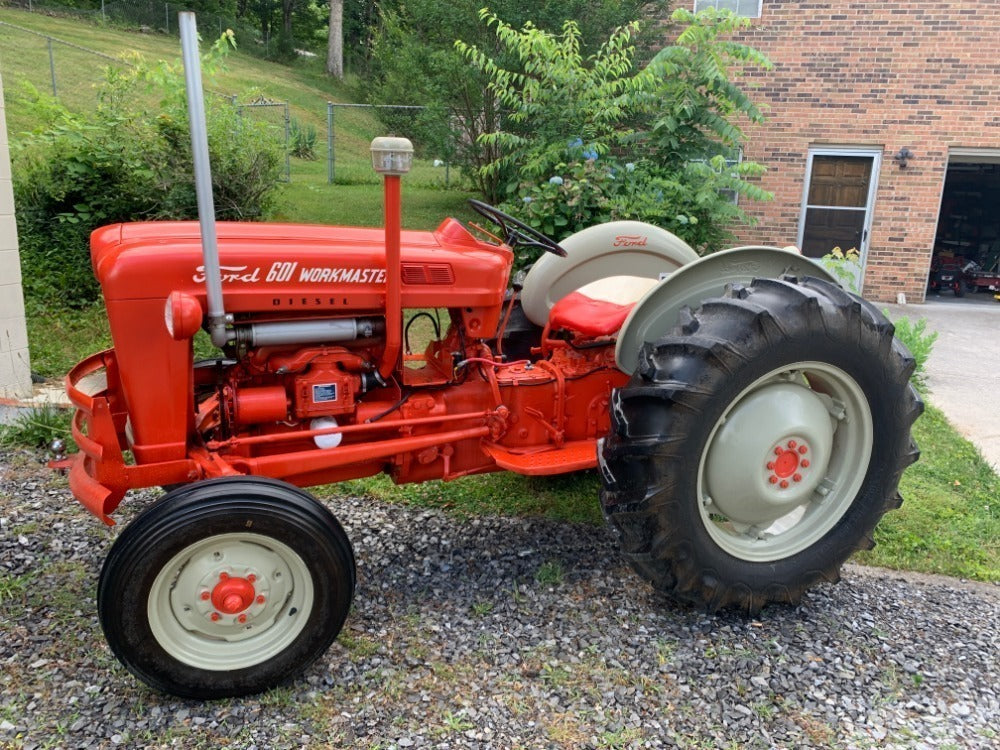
<point x="504" y="633"/>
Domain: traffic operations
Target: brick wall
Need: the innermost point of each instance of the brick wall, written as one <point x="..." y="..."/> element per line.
<point x="15" y="374"/>
<point x="921" y="74"/>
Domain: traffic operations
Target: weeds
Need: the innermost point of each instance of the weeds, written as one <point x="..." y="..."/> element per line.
<point x="919" y="341"/>
<point x="37" y="428"/>
<point x="550" y="573"/>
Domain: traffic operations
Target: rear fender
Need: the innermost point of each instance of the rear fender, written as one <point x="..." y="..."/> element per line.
<point x="657" y="312"/>
<point x="616" y="248"/>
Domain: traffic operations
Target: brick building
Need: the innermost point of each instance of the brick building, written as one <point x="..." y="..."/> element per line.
<point x="882" y="132"/>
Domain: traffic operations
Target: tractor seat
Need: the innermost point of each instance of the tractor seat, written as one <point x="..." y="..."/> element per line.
<point x="600" y="307"/>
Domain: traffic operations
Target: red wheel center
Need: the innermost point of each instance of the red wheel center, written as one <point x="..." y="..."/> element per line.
<point x="786" y="464"/>
<point x="232" y="595"/>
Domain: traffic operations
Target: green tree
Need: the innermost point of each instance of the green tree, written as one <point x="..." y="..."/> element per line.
<point x="598" y="137"/>
<point x="414" y="61"/>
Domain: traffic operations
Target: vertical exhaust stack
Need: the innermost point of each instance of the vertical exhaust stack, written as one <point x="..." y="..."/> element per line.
<point x="203" y="177"/>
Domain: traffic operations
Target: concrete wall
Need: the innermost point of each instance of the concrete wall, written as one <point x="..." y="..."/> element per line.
<point x="15" y="371"/>
<point x="923" y="74"/>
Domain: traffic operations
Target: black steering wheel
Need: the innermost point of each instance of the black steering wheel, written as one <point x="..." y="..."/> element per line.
<point x="515" y="232"/>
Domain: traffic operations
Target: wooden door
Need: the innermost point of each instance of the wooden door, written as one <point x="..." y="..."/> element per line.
<point x="838" y="202"/>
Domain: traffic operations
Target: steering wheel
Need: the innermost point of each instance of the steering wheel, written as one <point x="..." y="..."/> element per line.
<point x="515" y="232"/>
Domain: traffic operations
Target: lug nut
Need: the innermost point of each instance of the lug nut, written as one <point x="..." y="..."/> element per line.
<point x="205" y="596"/>
<point x="223" y="576"/>
<point x="792" y="444"/>
<point x="260" y="599"/>
<point x="773" y="480"/>
<point x="215" y="616"/>
<point x="777" y="451"/>
<point x="241" y="619"/>
<point x="797" y="478"/>
<point x="784" y="484"/>
<point x="770" y="465"/>
<point x="803" y="449"/>
<point x="251" y="578"/>
<point x="805" y="463"/>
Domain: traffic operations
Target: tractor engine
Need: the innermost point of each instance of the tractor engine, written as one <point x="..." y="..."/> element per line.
<point x="309" y="351"/>
<point x="307" y="384"/>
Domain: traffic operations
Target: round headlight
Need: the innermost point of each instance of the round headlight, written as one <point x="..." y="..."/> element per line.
<point x="182" y="315"/>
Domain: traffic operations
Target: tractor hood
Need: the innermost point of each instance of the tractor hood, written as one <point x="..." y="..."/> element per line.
<point x="296" y="267"/>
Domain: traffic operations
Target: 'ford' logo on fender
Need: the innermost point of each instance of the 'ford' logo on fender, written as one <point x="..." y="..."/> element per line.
<point x="630" y="240"/>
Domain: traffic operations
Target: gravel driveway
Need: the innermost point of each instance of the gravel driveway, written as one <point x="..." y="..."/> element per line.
<point x="504" y="633"/>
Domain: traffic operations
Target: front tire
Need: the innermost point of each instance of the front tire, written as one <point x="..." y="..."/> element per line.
<point x="226" y="587"/>
<point x="758" y="445"/>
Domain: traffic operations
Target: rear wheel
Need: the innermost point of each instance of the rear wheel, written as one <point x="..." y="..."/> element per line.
<point x="759" y="443"/>
<point x="226" y="587"/>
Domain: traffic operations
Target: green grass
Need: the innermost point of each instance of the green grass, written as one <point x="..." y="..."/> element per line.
<point x="303" y="85"/>
<point x="570" y="497"/>
<point x="58" y="339"/>
<point x="950" y="519"/>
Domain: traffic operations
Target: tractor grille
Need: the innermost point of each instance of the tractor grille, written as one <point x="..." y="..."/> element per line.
<point x="429" y="273"/>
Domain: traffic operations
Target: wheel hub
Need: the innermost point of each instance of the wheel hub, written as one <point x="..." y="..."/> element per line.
<point x="769" y="455"/>
<point x="789" y="462"/>
<point x="233" y="595"/>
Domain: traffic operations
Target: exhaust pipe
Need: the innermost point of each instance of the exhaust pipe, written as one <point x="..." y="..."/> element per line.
<point x="203" y="178"/>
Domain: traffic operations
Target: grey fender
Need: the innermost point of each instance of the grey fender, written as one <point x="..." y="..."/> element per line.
<point x="656" y="313"/>
<point x="616" y="248"/>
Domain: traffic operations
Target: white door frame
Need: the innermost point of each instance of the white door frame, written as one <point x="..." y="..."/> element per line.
<point x="876" y="156"/>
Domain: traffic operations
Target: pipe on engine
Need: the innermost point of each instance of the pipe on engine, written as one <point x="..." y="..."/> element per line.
<point x="283" y="333"/>
<point x="203" y="177"/>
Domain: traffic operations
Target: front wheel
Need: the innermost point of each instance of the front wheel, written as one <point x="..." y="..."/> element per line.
<point x="759" y="443"/>
<point x="226" y="587"/>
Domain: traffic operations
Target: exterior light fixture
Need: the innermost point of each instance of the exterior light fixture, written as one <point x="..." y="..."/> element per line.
<point x="392" y="156"/>
<point x="903" y="156"/>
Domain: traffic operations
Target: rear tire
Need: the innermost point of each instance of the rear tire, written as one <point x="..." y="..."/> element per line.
<point x="759" y="443"/>
<point x="226" y="587"/>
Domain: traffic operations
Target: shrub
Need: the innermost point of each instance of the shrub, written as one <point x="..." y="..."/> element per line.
<point x="129" y="160"/>
<point x="597" y="138"/>
<point x="845" y="266"/>
<point x="414" y="61"/>
<point x="920" y="342"/>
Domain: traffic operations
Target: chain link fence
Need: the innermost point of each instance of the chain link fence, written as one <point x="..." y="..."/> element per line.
<point x="54" y="66"/>
<point x="326" y="142"/>
<point x="277" y="120"/>
<point x="348" y="159"/>
<point x="153" y="16"/>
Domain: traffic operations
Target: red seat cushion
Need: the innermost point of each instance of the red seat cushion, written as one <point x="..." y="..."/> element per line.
<point x="587" y="316"/>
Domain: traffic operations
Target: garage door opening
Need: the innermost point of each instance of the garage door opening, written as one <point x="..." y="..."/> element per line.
<point x="966" y="256"/>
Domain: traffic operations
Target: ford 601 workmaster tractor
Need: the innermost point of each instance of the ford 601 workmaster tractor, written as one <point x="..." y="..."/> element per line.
<point x="749" y="419"/>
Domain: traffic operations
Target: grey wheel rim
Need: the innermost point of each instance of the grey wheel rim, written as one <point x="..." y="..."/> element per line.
<point x="230" y="601"/>
<point x="785" y="462"/>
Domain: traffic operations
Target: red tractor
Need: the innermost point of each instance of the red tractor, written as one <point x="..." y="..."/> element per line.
<point x="749" y="418"/>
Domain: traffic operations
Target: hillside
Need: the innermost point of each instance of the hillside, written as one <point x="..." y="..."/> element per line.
<point x="83" y="50"/>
